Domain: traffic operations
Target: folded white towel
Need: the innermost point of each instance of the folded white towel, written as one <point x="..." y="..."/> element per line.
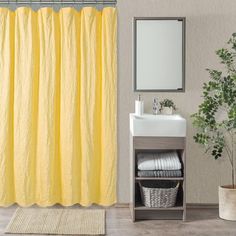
<point x="159" y="161"/>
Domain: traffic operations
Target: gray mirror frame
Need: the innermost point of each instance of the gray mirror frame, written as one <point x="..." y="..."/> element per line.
<point x="135" y="19"/>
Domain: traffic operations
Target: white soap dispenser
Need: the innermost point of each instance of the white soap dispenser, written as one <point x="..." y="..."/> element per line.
<point x="139" y="106"/>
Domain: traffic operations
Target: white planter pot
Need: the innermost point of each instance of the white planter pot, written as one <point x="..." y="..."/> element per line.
<point x="227" y="202"/>
<point x="167" y="111"/>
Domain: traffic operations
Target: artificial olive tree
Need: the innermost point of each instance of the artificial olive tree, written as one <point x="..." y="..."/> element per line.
<point x="216" y="117"/>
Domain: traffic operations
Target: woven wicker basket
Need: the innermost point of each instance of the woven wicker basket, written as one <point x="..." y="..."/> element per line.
<point x="159" y="194"/>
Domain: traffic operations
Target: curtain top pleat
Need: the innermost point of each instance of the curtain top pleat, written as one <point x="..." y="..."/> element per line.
<point x="50" y="9"/>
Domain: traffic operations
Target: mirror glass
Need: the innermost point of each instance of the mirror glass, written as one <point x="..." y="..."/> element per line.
<point x="159" y="61"/>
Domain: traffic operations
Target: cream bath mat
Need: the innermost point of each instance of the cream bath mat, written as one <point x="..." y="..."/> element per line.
<point x="57" y="221"/>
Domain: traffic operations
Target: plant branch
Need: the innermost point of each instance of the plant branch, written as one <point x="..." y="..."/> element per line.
<point x="229" y="154"/>
<point x="233" y="170"/>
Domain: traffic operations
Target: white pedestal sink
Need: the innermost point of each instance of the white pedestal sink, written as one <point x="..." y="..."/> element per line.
<point x="157" y="125"/>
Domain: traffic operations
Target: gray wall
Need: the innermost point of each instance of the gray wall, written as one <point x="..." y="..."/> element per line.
<point x="209" y="25"/>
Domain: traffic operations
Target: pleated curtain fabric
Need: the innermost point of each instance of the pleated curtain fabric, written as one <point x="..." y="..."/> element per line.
<point x="58" y="106"/>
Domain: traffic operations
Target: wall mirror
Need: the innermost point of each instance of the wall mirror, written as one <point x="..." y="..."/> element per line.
<point x="159" y="54"/>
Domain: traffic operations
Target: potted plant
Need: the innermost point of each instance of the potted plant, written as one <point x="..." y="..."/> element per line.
<point x="216" y="122"/>
<point x="167" y="107"/>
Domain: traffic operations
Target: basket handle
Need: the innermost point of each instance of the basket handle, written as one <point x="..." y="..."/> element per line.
<point x="141" y="191"/>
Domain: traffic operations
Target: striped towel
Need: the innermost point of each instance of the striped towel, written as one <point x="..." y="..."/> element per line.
<point x="159" y="173"/>
<point x="159" y="161"/>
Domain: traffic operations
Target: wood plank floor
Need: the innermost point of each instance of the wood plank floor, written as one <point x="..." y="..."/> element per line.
<point x="202" y="222"/>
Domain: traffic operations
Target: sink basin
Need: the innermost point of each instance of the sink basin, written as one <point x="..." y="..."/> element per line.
<point x="157" y="125"/>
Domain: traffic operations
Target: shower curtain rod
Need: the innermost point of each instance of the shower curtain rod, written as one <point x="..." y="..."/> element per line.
<point x="59" y="2"/>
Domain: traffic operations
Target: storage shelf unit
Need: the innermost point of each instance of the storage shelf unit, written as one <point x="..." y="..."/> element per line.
<point x="152" y="144"/>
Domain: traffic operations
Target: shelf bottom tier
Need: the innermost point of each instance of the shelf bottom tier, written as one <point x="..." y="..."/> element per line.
<point x="158" y="214"/>
<point x="143" y="208"/>
<point x="140" y="207"/>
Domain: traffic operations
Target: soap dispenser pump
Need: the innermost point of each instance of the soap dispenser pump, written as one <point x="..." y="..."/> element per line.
<point x="139" y="106"/>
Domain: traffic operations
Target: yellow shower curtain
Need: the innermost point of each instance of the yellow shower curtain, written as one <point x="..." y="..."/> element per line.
<point x="58" y="106"/>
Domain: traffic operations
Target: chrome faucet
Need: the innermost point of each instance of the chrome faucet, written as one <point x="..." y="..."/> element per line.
<point x="155" y="106"/>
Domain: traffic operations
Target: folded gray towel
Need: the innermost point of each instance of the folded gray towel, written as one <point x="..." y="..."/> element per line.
<point x="159" y="173"/>
<point x="167" y="160"/>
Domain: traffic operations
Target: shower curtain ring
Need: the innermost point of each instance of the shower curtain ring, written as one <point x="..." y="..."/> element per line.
<point x="51" y="3"/>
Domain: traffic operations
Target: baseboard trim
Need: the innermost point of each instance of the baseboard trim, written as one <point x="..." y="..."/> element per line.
<point x="122" y="205"/>
<point x="188" y="205"/>
<point x="202" y="205"/>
